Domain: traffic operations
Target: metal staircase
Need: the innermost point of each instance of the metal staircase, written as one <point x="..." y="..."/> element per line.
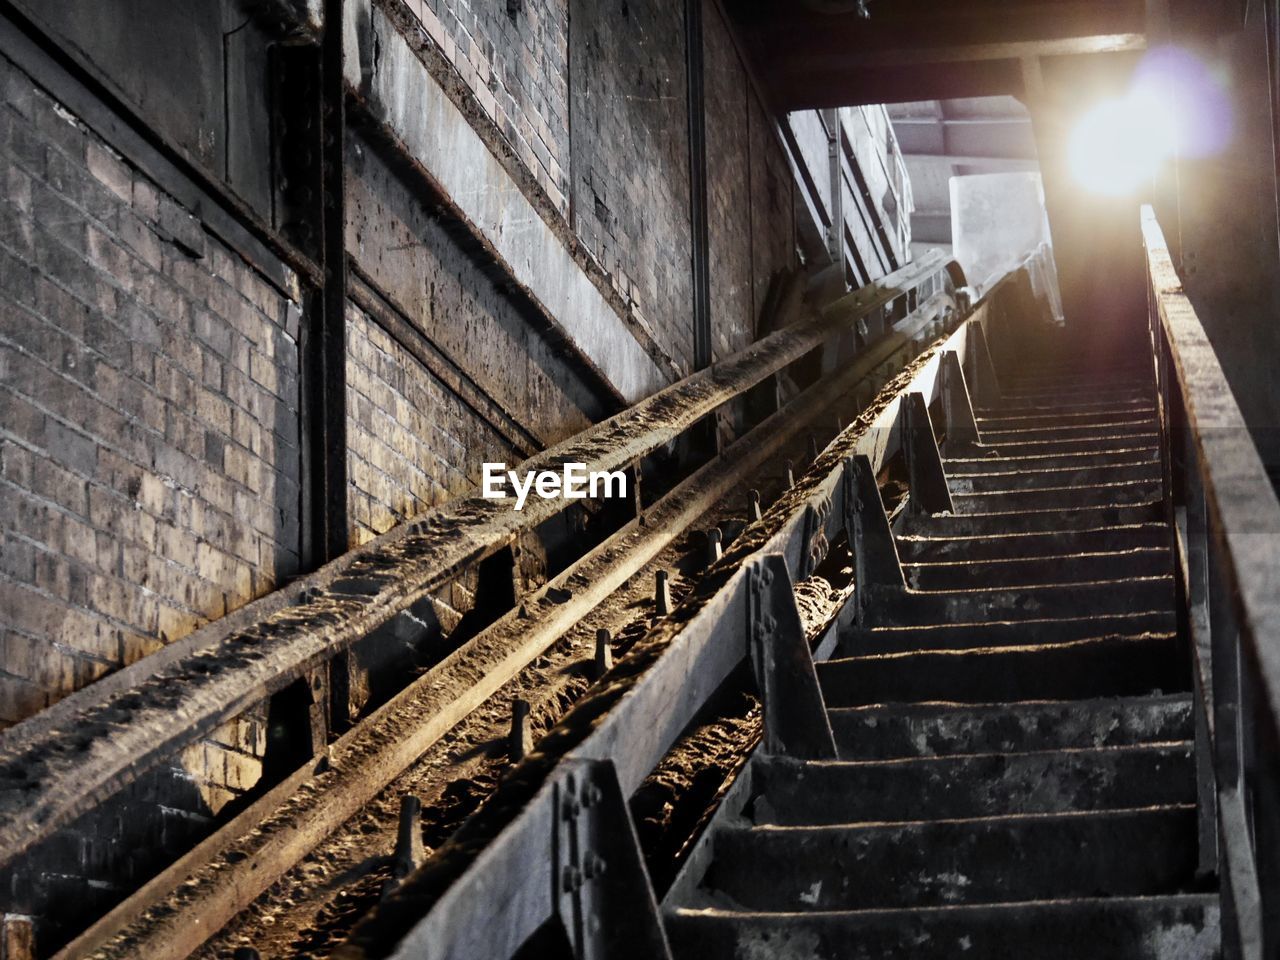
<point x="1011" y="767"/>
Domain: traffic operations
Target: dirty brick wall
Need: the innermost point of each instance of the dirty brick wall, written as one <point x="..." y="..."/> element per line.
<point x="630" y="136"/>
<point x="412" y="443"/>
<point x="149" y="452"/>
<point x="516" y="62"/>
<point x="751" y="234"/>
<point x="155" y="456"/>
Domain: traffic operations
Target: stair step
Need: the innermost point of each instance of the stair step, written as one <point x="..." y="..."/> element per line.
<point x="978" y="461"/>
<point x="937" y="862"/>
<point x="997" y="419"/>
<point x="899" y="608"/>
<point x="1008" y="406"/>
<point x="796" y="793"/>
<point x="1065" y="497"/>
<point x="1059" y="479"/>
<point x="1181" y="927"/>
<point x="994" y="433"/>
<point x="1002" y="523"/>
<point x="1067" y="568"/>
<point x="915" y="546"/>
<point x="1101" y="441"/>
<point x="1107" y="667"/>
<point x="990" y="634"/>
<point x="1089" y="393"/>
<point x="949" y="729"/>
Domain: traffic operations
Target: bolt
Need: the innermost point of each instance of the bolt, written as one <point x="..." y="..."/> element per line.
<point x="715" y="545"/>
<point x="594" y="865"/>
<point x="520" y="743"/>
<point x="753" y="506"/>
<point x="604" y="653"/>
<point x="662" y="592"/>
<point x="813" y="448"/>
<point x="571" y="878"/>
<point x="791" y="476"/>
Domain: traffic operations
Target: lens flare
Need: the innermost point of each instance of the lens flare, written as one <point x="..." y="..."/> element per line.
<point x="1119" y="145"/>
<point x="1174" y="106"/>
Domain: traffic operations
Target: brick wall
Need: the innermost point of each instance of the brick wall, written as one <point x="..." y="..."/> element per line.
<point x="630" y="142"/>
<point x="516" y="64"/>
<point x="728" y="98"/>
<point x="412" y="444"/>
<point x="149" y="465"/>
<point x="149" y="448"/>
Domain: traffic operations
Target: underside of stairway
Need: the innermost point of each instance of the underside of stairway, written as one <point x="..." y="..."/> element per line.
<point x="1014" y="765"/>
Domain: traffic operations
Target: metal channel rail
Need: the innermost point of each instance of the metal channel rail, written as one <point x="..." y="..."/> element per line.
<point x="81" y="752"/>
<point x="1228" y="528"/>
<point x="557" y="840"/>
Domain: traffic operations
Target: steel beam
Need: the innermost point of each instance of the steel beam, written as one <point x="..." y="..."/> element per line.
<point x="795" y="718"/>
<point x="928" y="481"/>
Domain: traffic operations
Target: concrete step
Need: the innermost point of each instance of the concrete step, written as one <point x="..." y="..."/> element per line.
<point x="1182" y="927"/>
<point x="997" y="433"/>
<point x="950" y="729"/>
<point x="981" y="634"/>
<point x="1003" y="523"/>
<point x="1083" y="669"/>
<point x="914" y="545"/>
<point x="1062" y="479"/>
<point x="1127" y="492"/>
<point x="1123" y="413"/>
<point x="1102" y="440"/>
<point x="900" y="608"/>
<point x="979" y="460"/>
<point x="1020" y="572"/>
<point x="1138" y="852"/>
<point x="793" y="792"/>
<point x="1009" y="407"/>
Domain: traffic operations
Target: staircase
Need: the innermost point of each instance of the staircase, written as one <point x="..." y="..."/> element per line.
<point x="1013" y="723"/>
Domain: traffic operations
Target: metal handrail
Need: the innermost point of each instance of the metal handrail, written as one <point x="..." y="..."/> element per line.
<point x="1228" y="524"/>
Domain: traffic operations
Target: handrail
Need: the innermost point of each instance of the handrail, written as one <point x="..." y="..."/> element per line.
<point x="1228" y="520"/>
<point x="77" y="753"/>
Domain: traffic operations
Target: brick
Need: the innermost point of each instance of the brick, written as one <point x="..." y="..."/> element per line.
<point x="110" y="170"/>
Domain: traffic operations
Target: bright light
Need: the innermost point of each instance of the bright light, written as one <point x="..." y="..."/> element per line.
<point x="1175" y="106"/>
<point x="1119" y="145"/>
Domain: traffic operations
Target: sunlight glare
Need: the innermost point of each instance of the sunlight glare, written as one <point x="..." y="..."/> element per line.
<point x="1119" y="145"/>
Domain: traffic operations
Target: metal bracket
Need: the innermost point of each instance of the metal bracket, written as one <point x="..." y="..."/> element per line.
<point x="962" y="427"/>
<point x="601" y="888"/>
<point x="815" y="545"/>
<point x="982" y="372"/>
<point x="876" y="563"/>
<point x="795" y="717"/>
<point x="928" y="480"/>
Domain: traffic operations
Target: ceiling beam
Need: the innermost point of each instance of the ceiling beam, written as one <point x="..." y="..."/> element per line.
<point x="1008" y="50"/>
